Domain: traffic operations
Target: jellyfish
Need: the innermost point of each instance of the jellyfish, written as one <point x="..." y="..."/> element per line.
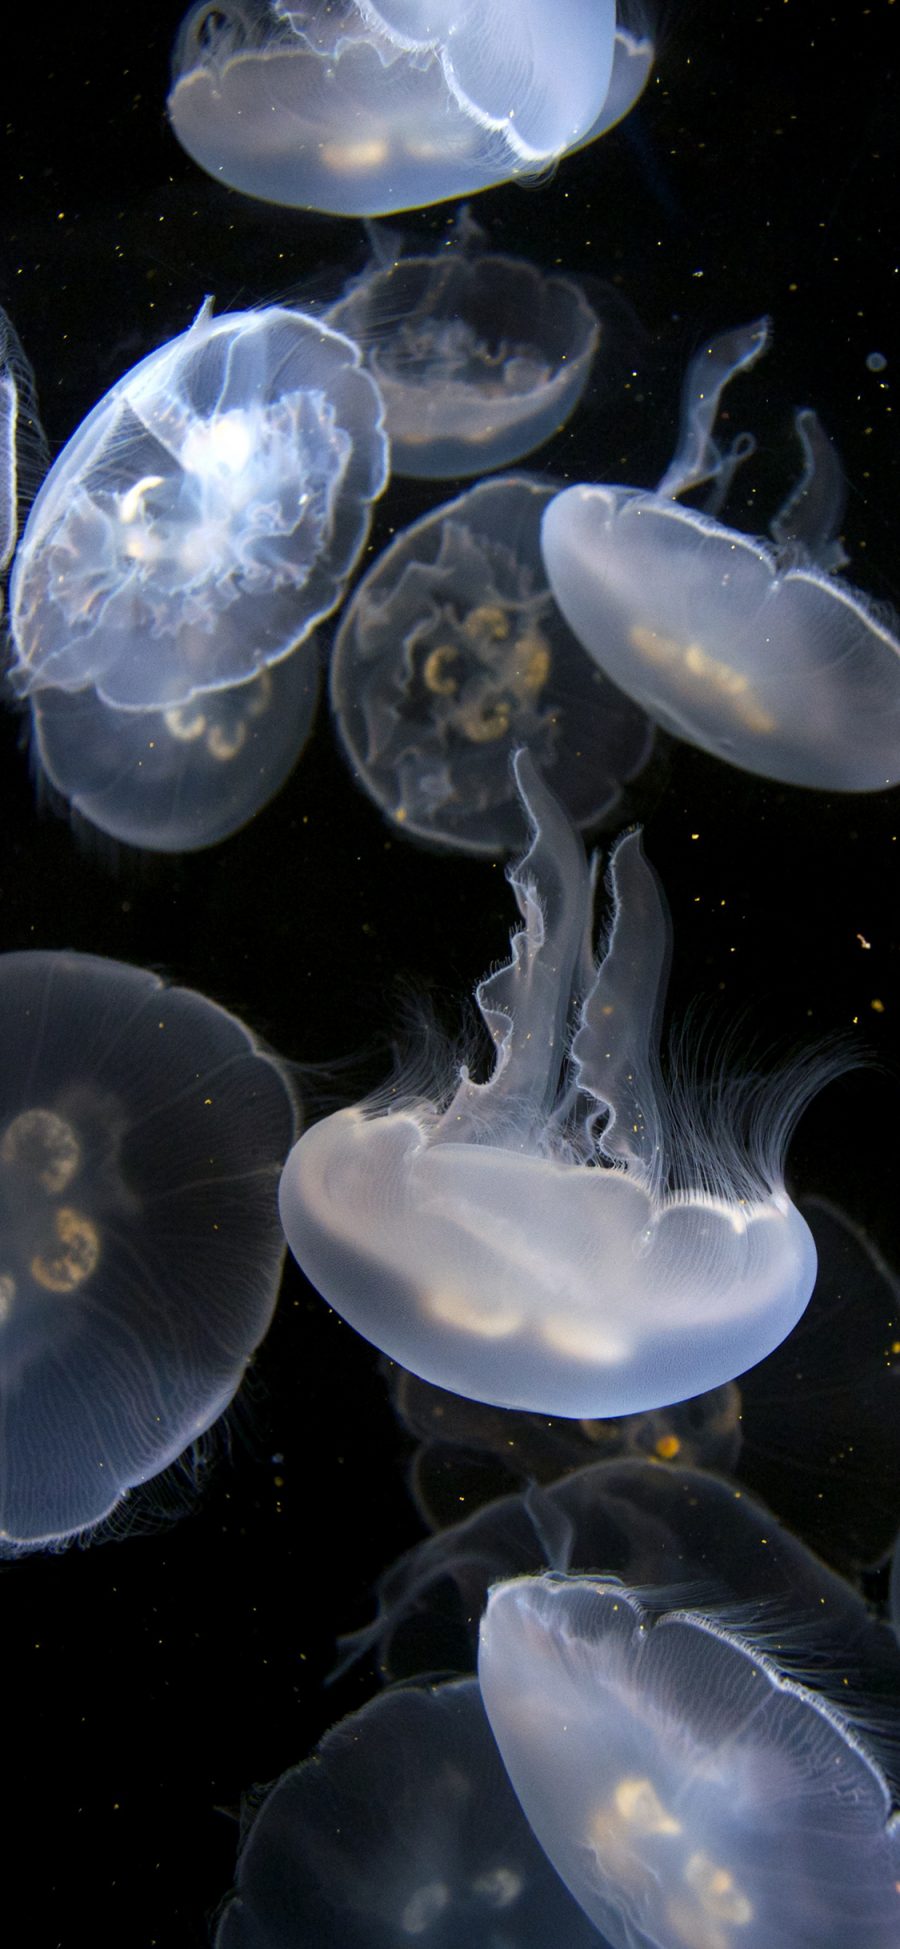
<point x="688" y="1791"/>
<point x="450" y="654"/>
<point x="360" y="108"/>
<point x="177" y="780"/>
<point x="755" y="651"/>
<point x="479" y="358"/>
<point x="402" y="1827"/>
<point x="203" y="518"/>
<point x="142" y="1129"/>
<point x="570" y="1236"/>
<point x="24" y="454"/>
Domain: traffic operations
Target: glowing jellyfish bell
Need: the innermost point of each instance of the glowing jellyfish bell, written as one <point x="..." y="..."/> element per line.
<point x="450" y="654"/>
<point x="756" y="652"/>
<point x="687" y="1792"/>
<point x="362" y="108"/>
<point x="142" y="1130"/>
<point x="479" y="358"/>
<point x="568" y="1236"/>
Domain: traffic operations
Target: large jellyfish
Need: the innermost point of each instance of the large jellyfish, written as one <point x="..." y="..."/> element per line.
<point x="141" y="1133"/>
<point x="686" y="1789"/>
<point x="479" y="358"/>
<point x="756" y="652"/>
<point x="450" y="654"/>
<point x="362" y="108"/>
<point x="401" y="1828"/>
<point x="571" y="1235"/>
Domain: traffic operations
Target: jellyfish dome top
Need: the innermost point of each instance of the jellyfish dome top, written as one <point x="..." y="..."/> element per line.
<point x="203" y="518"/>
<point x="360" y="108"/>
<point x="686" y="1790"/>
<point x="401" y="1828"/>
<point x="142" y="1130"/>
<point x="755" y="651"/>
<point x="479" y="358"/>
<point x="450" y="654"/>
<point x="569" y="1236"/>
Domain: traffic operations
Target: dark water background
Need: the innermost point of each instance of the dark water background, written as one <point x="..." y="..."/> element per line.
<point x="149" y="1680"/>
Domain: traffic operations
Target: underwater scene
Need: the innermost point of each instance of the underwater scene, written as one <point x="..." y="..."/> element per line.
<point x="450" y="975"/>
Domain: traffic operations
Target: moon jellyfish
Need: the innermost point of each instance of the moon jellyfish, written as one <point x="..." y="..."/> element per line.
<point x="361" y="108"/>
<point x="687" y="1791"/>
<point x="203" y="518"/>
<point x="141" y="1133"/>
<point x="24" y="455"/>
<point x="402" y="1827"/>
<point x="755" y="652"/>
<point x="478" y="358"/>
<point x="177" y="780"/>
<point x="450" y="654"/>
<point x="571" y="1235"/>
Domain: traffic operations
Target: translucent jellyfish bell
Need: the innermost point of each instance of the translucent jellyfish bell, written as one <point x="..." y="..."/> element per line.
<point x="479" y="358"/>
<point x="141" y="1133"/>
<point x="203" y="518"/>
<point x="402" y="1827"/>
<point x="24" y="454"/>
<point x="177" y="780"/>
<point x="450" y="654"/>
<point x="569" y="1236"/>
<point x="686" y="1790"/>
<point x="361" y="109"/>
<point x="754" y="652"/>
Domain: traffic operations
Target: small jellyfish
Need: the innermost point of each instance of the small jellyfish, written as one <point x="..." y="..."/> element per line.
<point x="479" y="358"/>
<point x="141" y="1133"/>
<point x="402" y="1828"/>
<point x="361" y="108"/>
<point x="450" y="654"/>
<point x="687" y="1791"/>
<point x="24" y="454"/>
<point x="755" y="652"/>
<point x="174" y="781"/>
<point x="572" y="1235"/>
<point x="203" y="518"/>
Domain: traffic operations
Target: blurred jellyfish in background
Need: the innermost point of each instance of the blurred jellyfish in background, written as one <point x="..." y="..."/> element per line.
<point x="451" y="654"/>
<point x="479" y="358"/>
<point x="141" y="1134"/>
<point x="200" y="522"/>
<point x="754" y="652"/>
<point x="402" y="1827"/>
<point x="814" y="1429"/>
<point x="361" y="108"/>
<point x="687" y="1790"/>
<point x="24" y="454"/>
<point x="571" y="1236"/>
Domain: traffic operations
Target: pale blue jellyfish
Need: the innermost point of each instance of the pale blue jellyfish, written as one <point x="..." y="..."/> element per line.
<point x="24" y="455"/>
<point x="479" y="358"/>
<point x="141" y="1133"/>
<point x="688" y="1792"/>
<point x="754" y="650"/>
<point x="401" y="1828"/>
<point x="362" y="108"/>
<point x="570" y="1236"/>
<point x="450" y="654"/>
<point x="203" y="518"/>
<point x="174" y="781"/>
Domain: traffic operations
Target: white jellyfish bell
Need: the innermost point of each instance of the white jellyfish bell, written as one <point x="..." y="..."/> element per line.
<point x="570" y="1236"/>
<point x="362" y="109"/>
<point x="753" y="650"/>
